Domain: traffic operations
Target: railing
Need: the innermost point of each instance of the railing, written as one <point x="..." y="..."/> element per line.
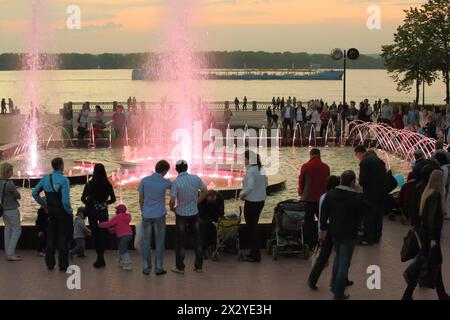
<point x="212" y="105"/>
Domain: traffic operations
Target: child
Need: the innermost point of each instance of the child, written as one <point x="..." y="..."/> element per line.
<point x="41" y="227"/>
<point x="120" y="225"/>
<point x="80" y="231"/>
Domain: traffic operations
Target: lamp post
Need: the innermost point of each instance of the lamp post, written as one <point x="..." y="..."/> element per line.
<point x="337" y="54"/>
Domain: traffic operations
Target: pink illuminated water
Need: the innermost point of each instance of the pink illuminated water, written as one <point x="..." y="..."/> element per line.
<point x="32" y="64"/>
<point x="169" y="132"/>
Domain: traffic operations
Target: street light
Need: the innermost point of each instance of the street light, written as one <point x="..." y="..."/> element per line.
<point x="337" y="54"/>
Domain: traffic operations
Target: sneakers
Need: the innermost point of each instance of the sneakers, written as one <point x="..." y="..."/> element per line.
<point x="176" y="270"/>
<point x="198" y="270"/>
<point x="41" y="254"/>
<point x="127" y="266"/>
<point x="13" y="258"/>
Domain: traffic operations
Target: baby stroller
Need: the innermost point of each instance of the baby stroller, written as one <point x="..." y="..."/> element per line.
<point x="287" y="230"/>
<point x="228" y="235"/>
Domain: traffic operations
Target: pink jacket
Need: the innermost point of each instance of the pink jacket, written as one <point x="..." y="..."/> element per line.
<point x="120" y="223"/>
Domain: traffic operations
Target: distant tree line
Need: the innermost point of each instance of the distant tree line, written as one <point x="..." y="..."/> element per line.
<point x="211" y="59"/>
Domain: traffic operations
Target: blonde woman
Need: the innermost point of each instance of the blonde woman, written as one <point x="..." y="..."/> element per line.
<point x="9" y="197"/>
<point x="429" y="227"/>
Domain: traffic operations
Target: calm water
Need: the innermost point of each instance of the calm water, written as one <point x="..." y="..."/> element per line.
<point x="339" y="159"/>
<point x="56" y="87"/>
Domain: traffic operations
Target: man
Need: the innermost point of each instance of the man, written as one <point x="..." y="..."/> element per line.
<point x="341" y="215"/>
<point x="287" y="118"/>
<point x="244" y="104"/>
<point x="373" y="179"/>
<point x="269" y="117"/>
<point x="152" y="201"/>
<point x="387" y="113"/>
<point x="236" y="104"/>
<point x="3" y="105"/>
<point x="57" y="200"/>
<point x="210" y="210"/>
<point x="413" y="116"/>
<point x="420" y="162"/>
<point x="300" y="117"/>
<point x="185" y="194"/>
<point x="311" y="185"/>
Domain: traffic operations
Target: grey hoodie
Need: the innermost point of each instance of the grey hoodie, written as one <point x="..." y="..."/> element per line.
<point x="10" y="200"/>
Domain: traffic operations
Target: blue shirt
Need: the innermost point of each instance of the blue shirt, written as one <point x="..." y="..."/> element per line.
<point x="413" y="117"/>
<point x="154" y="189"/>
<point x="60" y="183"/>
<point x="185" y="189"/>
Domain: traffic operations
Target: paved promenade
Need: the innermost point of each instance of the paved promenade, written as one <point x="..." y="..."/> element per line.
<point x="226" y="279"/>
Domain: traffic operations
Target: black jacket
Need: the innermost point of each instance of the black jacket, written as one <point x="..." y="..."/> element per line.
<point x="211" y="212"/>
<point x="418" y="166"/>
<point x="373" y="176"/>
<point x="341" y="213"/>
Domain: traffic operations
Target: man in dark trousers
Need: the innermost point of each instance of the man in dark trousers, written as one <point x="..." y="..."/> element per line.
<point x="341" y="215"/>
<point x="60" y="218"/>
<point x="373" y="179"/>
<point x="312" y="184"/>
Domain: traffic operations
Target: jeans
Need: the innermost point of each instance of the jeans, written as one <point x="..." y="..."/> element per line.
<point x="181" y="223"/>
<point x="80" y="245"/>
<point x="12" y="230"/>
<point x="310" y="223"/>
<point x="373" y="219"/>
<point x="124" y="242"/>
<point x="158" y="225"/>
<point x="321" y="262"/>
<point x="342" y="261"/>
<point x="252" y="211"/>
<point x="301" y="127"/>
<point x="287" y="123"/>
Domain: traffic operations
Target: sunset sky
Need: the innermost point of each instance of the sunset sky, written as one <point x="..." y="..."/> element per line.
<point x="313" y="26"/>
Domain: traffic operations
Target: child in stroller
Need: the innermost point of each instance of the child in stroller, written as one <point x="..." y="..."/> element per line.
<point x="210" y="210"/>
<point x="287" y="230"/>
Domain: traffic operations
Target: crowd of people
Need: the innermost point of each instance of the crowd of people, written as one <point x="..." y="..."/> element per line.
<point x="340" y="212"/>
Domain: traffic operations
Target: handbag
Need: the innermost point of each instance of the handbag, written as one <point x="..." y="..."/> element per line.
<point x="411" y="246"/>
<point x="3" y="197"/>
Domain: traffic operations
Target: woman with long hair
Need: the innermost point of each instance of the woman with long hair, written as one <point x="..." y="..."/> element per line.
<point x="9" y="198"/>
<point x="98" y="193"/>
<point x="429" y="226"/>
<point x="254" y="195"/>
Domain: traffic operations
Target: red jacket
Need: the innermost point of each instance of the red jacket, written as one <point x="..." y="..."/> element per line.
<point x="312" y="181"/>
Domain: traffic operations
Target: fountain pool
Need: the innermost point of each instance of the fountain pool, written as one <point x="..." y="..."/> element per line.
<point x="338" y="158"/>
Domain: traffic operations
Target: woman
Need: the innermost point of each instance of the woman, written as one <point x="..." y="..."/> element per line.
<point x="429" y="226"/>
<point x="398" y="119"/>
<point x="254" y="195"/>
<point x="97" y="195"/>
<point x="9" y="197"/>
<point x="67" y="121"/>
<point x="312" y="117"/>
<point x="325" y="117"/>
<point x="83" y="120"/>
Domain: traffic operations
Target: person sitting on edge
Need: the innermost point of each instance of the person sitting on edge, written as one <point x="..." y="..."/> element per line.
<point x="80" y="231"/>
<point x="57" y="199"/>
<point x="210" y="210"/>
<point x="185" y="194"/>
<point x="120" y="226"/>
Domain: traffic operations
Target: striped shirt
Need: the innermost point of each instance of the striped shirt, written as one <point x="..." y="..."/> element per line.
<point x="185" y="189"/>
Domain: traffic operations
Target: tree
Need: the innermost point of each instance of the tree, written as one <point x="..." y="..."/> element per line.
<point x="408" y="58"/>
<point x="437" y="28"/>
